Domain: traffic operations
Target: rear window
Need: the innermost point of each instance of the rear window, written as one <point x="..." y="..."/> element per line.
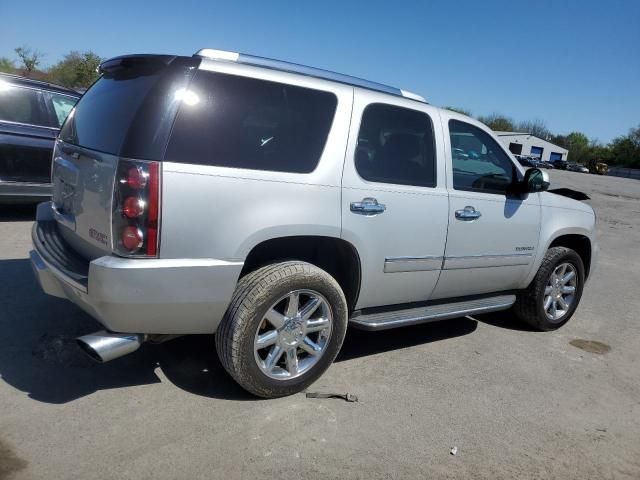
<point x="102" y="118"/>
<point x="130" y="109"/>
<point x="233" y="121"/>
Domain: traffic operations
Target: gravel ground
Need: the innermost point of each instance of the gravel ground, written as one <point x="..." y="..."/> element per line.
<point x="515" y="403"/>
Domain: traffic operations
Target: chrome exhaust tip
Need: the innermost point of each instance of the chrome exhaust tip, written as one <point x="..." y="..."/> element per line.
<point x="104" y="346"/>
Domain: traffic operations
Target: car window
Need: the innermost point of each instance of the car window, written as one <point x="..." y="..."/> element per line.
<point x="62" y="105"/>
<point x="106" y="112"/>
<point x="479" y="164"/>
<point x="22" y="105"/>
<point x="233" y="121"/>
<point x="395" y="145"/>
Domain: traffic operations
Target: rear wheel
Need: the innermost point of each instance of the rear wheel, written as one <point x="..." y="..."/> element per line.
<point x="283" y="328"/>
<point x="553" y="296"/>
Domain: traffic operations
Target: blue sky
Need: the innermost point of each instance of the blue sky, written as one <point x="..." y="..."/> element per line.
<point x="575" y="64"/>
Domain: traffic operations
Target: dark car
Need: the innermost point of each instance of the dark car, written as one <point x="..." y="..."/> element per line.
<point x="545" y="164"/>
<point x="524" y="161"/>
<point x="559" y="164"/>
<point x="31" y="113"/>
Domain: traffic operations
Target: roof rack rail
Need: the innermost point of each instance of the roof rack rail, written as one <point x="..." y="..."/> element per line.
<point x="304" y="70"/>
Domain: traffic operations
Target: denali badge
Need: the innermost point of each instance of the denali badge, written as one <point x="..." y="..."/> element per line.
<point x="99" y="236"/>
<point x="521" y="249"/>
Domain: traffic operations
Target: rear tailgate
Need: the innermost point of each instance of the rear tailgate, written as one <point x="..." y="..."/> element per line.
<point x="82" y="183"/>
<point x="127" y="114"/>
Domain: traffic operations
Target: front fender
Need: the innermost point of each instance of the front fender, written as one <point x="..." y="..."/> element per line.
<point x="557" y="222"/>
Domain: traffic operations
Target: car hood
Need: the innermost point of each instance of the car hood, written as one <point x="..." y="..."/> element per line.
<point x="565" y="198"/>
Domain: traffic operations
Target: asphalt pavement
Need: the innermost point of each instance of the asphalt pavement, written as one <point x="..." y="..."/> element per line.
<point x="515" y="403"/>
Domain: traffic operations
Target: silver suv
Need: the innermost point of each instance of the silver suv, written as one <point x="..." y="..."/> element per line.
<point x="275" y="204"/>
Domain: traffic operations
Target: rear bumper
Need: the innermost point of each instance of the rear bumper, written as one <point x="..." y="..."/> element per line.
<point x="154" y="296"/>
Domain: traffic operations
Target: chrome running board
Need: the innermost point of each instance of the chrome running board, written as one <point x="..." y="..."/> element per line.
<point x="430" y="313"/>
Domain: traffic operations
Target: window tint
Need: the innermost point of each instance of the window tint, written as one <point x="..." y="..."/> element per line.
<point x="62" y="105"/>
<point x="105" y="113"/>
<point x="395" y="145"/>
<point x="233" y="121"/>
<point x="479" y="164"/>
<point x="21" y="105"/>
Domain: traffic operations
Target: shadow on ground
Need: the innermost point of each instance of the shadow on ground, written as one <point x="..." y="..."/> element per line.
<point x="17" y="213"/>
<point x="504" y="319"/>
<point x="38" y="354"/>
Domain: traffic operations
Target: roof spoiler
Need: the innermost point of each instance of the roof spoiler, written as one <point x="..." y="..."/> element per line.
<point x="304" y="70"/>
<point x="129" y="61"/>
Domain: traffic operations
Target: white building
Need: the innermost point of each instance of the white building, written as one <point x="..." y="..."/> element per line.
<point x="520" y="143"/>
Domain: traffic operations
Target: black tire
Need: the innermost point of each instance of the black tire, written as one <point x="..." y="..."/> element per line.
<point x="254" y="294"/>
<point x="529" y="306"/>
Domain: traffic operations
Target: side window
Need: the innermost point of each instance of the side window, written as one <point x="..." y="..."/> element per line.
<point x="62" y="105"/>
<point x="22" y="105"/>
<point x="479" y="164"/>
<point x="240" y="122"/>
<point x="395" y="145"/>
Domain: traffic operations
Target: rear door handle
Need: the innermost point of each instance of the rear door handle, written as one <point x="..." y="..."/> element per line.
<point x="468" y="214"/>
<point x="368" y="206"/>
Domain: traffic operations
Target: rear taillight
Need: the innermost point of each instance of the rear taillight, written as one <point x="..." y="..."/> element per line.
<point x="136" y="208"/>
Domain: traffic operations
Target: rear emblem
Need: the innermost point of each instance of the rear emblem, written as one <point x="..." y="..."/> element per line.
<point x="99" y="236"/>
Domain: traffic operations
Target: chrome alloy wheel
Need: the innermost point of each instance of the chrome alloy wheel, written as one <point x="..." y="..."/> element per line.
<point x="560" y="291"/>
<point x="293" y="335"/>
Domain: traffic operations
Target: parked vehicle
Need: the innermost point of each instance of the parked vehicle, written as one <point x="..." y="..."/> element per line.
<point x="31" y="113"/>
<point x="274" y="205"/>
<point x="545" y="164"/>
<point x="559" y="164"/>
<point x="576" y="167"/>
<point x="524" y="161"/>
<point x="601" y="168"/>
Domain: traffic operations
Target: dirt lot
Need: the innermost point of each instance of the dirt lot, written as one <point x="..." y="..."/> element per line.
<point x="516" y="403"/>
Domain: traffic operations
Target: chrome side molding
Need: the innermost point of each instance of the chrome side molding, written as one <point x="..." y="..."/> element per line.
<point x="412" y="264"/>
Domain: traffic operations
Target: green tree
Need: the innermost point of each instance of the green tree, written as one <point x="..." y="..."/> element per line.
<point x="578" y="145"/>
<point x="7" y="65"/>
<point x="498" y="122"/>
<point x="30" y="59"/>
<point x="459" y="110"/>
<point x="625" y="150"/>
<point x="75" y="70"/>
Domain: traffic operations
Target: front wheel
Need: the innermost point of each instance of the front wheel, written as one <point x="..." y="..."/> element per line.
<point x="284" y="327"/>
<point x="553" y="295"/>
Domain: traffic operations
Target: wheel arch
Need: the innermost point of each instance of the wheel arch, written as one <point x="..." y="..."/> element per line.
<point x="579" y="243"/>
<point x="336" y="256"/>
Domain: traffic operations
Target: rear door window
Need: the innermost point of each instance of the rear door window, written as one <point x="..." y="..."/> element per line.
<point x="396" y="145"/>
<point x="22" y="105"/>
<point x="240" y="122"/>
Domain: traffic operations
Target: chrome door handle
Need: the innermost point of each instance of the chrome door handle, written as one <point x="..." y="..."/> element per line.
<point x="368" y="206"/>
<point x="468" y="214"/>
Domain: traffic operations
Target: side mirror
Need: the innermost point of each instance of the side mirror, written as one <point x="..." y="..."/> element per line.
<point x="535" y="180"/>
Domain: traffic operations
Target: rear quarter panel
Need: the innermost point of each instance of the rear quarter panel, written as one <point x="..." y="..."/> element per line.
<point x="222" y="213"/>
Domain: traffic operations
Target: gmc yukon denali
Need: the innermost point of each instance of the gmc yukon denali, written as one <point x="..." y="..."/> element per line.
<point x="274" y="205"/>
